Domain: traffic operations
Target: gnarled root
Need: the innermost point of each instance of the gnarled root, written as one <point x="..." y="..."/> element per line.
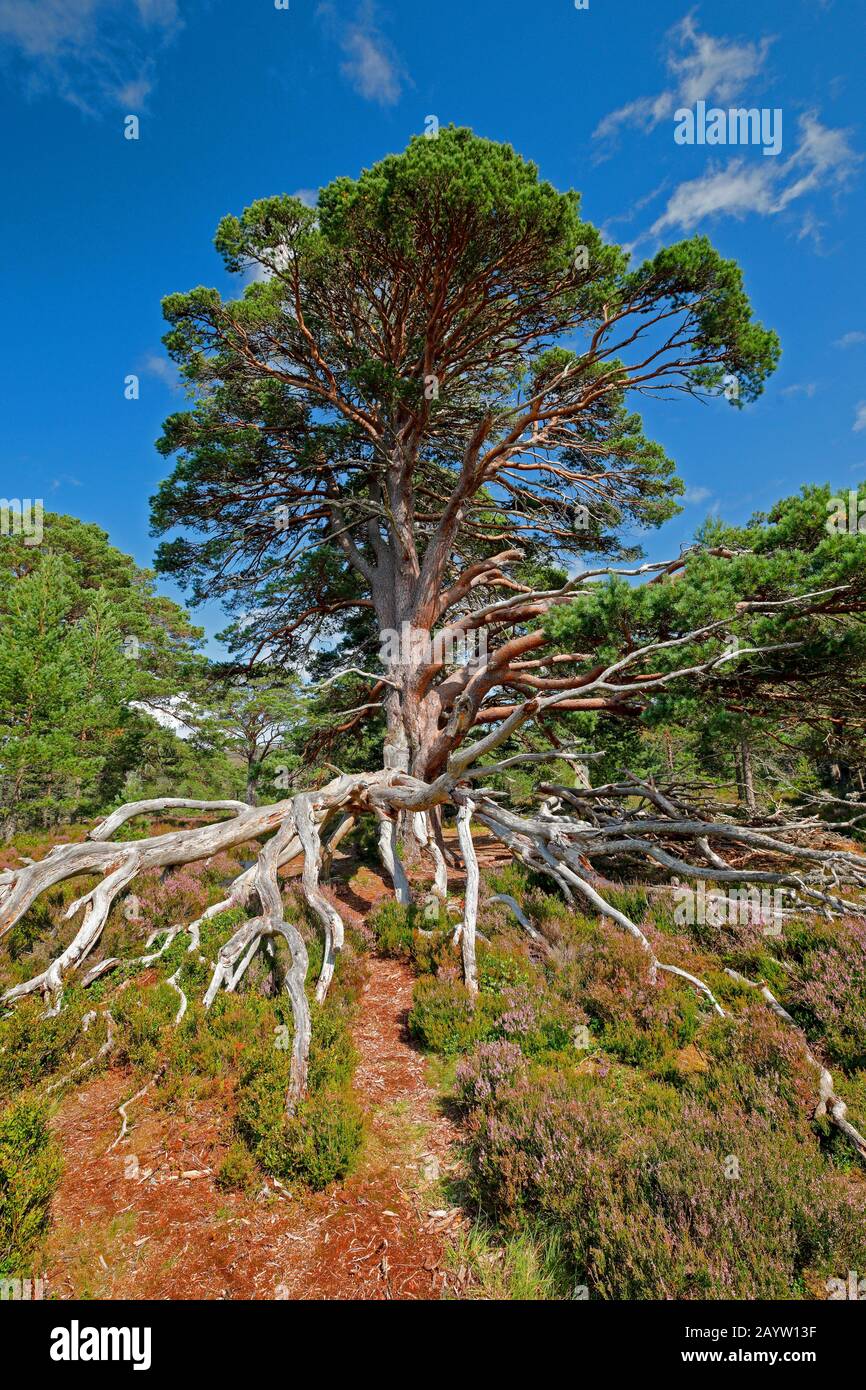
<point x="96" y="904"/>
<point x="236" y="954"/>
<point x="829" y="1103"/>
<point x="559" y="860"/>
<point x="327" y="914"/>
<point x="389" y="852"/>
<point x="470" y="909"/>
<point x="425" y="835"/>
<point x="606" y="827"/>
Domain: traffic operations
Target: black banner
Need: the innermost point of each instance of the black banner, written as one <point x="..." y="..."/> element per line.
<point x="65" y="1338"/>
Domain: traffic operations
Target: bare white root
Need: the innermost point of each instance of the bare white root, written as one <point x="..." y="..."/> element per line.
<point x="555" y="856"/>
<point x="628" y="822"/>
<point x="514" y="906"/>
<point x="96" y="904"/>
<point x="327" y="914"/>
<point x="346" y="825"/>
<point x="470" y="910"/>
<point x="390" y="856"/>
<point x="297" y="824"/>
<point x="427" y="840"/>
<point x="122" y="1111"/>
<point x="101" y="1052"/>
<point x="829" y="1103"/>
<point x="106" y="828"/>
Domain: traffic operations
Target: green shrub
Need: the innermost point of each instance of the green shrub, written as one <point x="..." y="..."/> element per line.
<point x="419" y="933"/>
<point x="318" y="1145"/>
<point x="500" y="971"/>
<point x="393" y="929"/>
<point x="321" y="1141"/>
<point x="30" y="1168"/>
<point x="142" y="1015"/>
<point x="33" y="1046"/>
<point x="332" y="1053"/>
<point x="445" y="1017"/>
<point x="633" y="902"/>
<point x="237" y="1172"/>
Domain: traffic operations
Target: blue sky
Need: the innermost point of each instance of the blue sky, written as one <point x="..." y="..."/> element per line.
<point x="237" y="99"/>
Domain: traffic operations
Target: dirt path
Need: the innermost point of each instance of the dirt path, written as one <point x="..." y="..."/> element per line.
<point x="147" y="1220"/>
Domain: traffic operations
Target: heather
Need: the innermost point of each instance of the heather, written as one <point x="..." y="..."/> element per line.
<point x="653" y="1149"/>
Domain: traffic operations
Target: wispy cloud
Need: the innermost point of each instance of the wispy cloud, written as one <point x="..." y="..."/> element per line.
<point x="800" y="388"/>
<point x="850" y="339"/>
<point x="153" y="364"/>
<point x="822" y="159"/>
<point x="693" y="495"/>
<point x="700" y="67"/>
<point x="859" y="417"/>
<point x="91" y="53"/>
<point x="371" y="64"/>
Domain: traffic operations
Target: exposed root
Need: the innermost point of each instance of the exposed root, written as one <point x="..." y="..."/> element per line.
<point x="106" y="828"/>
<point x="554" y="855"/>
<point x="607" y="827"/>
<point x="426" y="838"/>
<point x="390" y="856"/>
<point x="184" y="1002"/>
<point x="470" y="911"/>
<point x="531" y="931"/>
<point x="829" y="1103"/>
<point x="96" y="904"/>
<point x="102" y="1051"/>
<point x="346" y="825"/>
<point x="236" y="954"/>
<point x="327" y="914"/>
<point x="122" y="1109"/>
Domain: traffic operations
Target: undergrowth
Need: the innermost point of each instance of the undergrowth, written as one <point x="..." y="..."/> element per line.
<point x="623" y="1141"/>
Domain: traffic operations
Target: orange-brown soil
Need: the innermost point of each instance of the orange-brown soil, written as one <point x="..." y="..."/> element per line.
<point x="147" y="1220"/>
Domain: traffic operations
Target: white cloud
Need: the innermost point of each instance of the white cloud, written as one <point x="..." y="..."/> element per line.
<point x="811" y="228"/>
<point x="859" y="417"/>
<point x="132" y="95"/>
<point x="693" y="495"/>
<point x="801" y="388"/>
<point x="850" y="339"/>
<point x="91" y="53"/>
<point x="823" y="158"/>
<point x="369" y="68"/>
<point x="164" y="370"/>
<point x="737" y="189"/>
<point x="371" y="65"/>
<point x="701" y="67"/>
<point x="714" y="69"/>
